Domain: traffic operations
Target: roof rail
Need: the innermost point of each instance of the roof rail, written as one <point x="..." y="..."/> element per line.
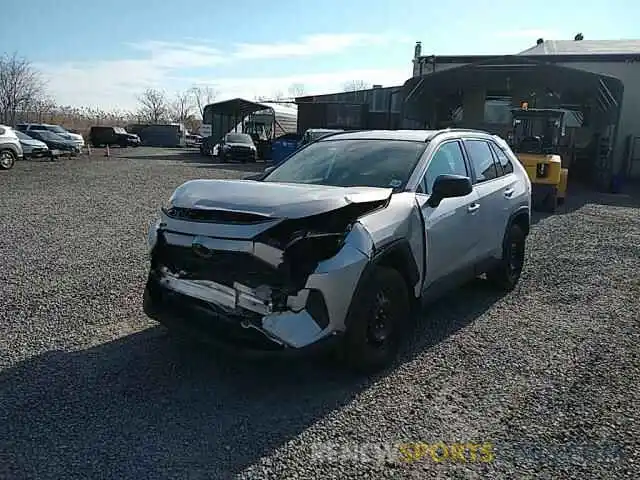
<point x="470" y="130"/>
<point x="457" y="130"/>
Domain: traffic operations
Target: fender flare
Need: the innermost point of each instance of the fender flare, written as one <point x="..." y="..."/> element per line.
<point x="394" y="252"/>
<point x="11" y="147"/>
<point x="518" y="213"/>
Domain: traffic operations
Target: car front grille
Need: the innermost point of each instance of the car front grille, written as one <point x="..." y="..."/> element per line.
<point x="240" y="153"/>
<point x="222" y="267"/>
<point x="214" y="216"/>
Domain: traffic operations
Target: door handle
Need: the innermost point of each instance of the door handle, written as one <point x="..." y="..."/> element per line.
<point x="473" y="208"/>
<point x="508" y="193"/>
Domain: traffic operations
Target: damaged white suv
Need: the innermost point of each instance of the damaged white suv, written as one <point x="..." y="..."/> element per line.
<point x="339" y="243"/>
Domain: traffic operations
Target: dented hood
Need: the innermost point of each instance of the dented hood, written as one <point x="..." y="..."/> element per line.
<point x="274" y="200"/>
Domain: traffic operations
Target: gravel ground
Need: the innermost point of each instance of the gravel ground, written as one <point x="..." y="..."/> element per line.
<point x="546" y="377"/>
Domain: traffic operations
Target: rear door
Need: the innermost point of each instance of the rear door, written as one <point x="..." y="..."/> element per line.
<point x="509" y="187"/>
<point x="452" y="228"/>
<point x="493" y="189"/>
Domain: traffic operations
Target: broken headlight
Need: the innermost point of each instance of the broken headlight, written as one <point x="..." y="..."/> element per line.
<point x="315" y="245"/>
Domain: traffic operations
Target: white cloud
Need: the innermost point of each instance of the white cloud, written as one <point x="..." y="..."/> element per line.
<point x="180" y="55"/>
<point x="116" y="83"/>
<point x="312" y="45"/>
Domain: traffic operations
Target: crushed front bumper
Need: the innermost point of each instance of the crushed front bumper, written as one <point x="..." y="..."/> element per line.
<point x="224" y="310"/>
<point x="227" y="332"/>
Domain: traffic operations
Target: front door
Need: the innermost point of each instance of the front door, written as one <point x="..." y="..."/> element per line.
<point x="452" y="228"/>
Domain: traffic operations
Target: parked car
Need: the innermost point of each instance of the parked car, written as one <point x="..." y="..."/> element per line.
<point x="340" y="243"/>
<point x="31" y="147"/>
<point x="194" y="140"/>
<point x="237" y="147"/>
<point x="76" y="138"/>
<point x="57" y="144"/>
<point x="10" y="148"/>
<point x="100" y="136"/>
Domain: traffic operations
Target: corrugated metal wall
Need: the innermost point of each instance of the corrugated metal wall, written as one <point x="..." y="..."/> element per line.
<point x="376" y="108"/>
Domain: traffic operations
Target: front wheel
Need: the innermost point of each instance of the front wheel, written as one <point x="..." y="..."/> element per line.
<point x="376" y="321"/>
<point x="7" y="159"/>
<point x="506" y="274"/>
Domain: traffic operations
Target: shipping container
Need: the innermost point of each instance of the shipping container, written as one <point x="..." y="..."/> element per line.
<point x="334" y="115"/>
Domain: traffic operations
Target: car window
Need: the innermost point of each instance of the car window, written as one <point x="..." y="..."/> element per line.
<point x="448" y="160"/>
<point x="503" y="160"/>
<point x="56" y="129"/>
<point x="350" y="163"/>
<point x="22" y="135"/>
<point x="482" y="160"/>
<point x="38" y="127"/>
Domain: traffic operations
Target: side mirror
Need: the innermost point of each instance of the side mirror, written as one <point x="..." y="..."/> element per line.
<point x="268" y="170"/>
<point x="449" y="186"/>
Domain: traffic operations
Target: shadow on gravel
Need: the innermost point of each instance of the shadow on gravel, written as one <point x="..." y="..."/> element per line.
<point x="147" y="406"/>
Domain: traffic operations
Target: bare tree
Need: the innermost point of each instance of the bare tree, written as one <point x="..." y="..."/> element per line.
<point x="21" y="86"/>
<point x="181" y="107"/>
<point x="202" y="97"/>
<point x="42" y="107"/>
<point x="153" y="105"/>
<point x="296" y="90"/>
<point x="355" y="85"/>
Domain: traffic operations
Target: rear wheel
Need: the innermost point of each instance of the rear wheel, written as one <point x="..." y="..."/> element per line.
<point x="550" y="202"/>
<point x="7" y="159"/>
<point x="379" y="311"/>
<point x="507" y="273"/>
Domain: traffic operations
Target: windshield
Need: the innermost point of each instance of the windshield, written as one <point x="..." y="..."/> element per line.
<point x="22" y="136"/>
<point x="238" y="138"/>
<point x="57" y="129"/>
<point x="47" y="135"/>
<point x="348" y="163"/>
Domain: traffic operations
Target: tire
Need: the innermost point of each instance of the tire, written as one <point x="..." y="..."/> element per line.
<point x="369" y="347"/>
<point x="550" y="203"/>
<point x="506" y="274"/>
<point x="7" y="159"/>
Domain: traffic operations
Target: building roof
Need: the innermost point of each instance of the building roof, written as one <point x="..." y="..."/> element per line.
<point x="559" y="50"/>
<point x="282" y="108"/>
<point x="585" y="47"/>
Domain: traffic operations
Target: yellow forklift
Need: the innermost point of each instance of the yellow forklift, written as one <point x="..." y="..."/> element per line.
<point x="536" y="139"/>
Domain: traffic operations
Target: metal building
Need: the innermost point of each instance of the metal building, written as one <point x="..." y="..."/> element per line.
<point x="607" y="92"/>
<point x="375" y="108"/>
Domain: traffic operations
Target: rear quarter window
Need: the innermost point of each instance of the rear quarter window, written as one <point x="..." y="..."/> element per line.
<point x="503" y="160"/>
<point x="482" y="160"/>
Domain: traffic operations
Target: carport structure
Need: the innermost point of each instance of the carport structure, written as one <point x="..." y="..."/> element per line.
<point x="229" y="115"/>
<point x="430" y="100"/>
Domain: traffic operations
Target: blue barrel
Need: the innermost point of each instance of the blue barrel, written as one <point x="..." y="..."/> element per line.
<point x="284" y="146"/>
<point x="616" y="183"/>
